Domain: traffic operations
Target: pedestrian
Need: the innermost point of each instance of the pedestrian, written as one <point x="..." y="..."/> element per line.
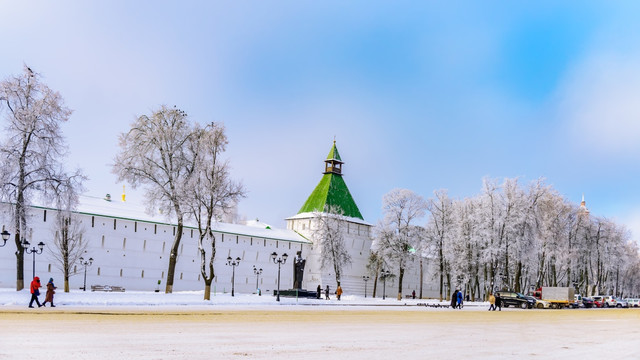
<point x="454" y="299"/>
<point x="35" y="292"/>
<point x="51" y="289"/>
<point x="459" y="299"/>
<point x="492" y="302"/>
<point x="413" y="294"/>
<point x="318" y="292"/>
<point x="326" y="293"/>
<point x="498" y="302"/>
<point x="338" y="291"/>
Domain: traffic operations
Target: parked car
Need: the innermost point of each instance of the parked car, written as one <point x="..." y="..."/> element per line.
<point x="587" y="302"/>
<point x="577" y="301"/>
<point x="633" y="302"/>
<point x="621" y="303"/>
<point x="598" y="301"/>
<point x="539" y="304"/>
<point x="511" y="298"/>
<point x="609" y="301"/>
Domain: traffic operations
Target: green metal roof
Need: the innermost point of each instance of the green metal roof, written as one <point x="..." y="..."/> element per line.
<point x="332" y="191"/>
<point x="333" y="154"/>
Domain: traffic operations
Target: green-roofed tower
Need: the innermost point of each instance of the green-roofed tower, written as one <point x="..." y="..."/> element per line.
<point x="332" y="190"/>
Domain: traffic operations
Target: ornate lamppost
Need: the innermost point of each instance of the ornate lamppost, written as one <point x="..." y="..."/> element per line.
<point x="365" y="278"/>
<point x="85" y="263"/>
<point x="281" y="260"/>
<point x="233" y="264"/>
<point x="257" y="273"/>
<point x="34" y="251"/>
<point x="384" y="274"/>
<point x="5" y="236"/>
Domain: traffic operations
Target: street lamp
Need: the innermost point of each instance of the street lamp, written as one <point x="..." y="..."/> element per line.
<point x="365" y="278"/>
<point x="257" y="273"/>
<point x="85" y="263"/>
<point x="384" y="274"/>
<point x="279" y="261"/>
<point x="5" y="236"/>
<point x="233" y="264"/>
<point x="34" y="251"/>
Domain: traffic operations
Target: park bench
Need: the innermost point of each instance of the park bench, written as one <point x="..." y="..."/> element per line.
<point x="107" y="288"/>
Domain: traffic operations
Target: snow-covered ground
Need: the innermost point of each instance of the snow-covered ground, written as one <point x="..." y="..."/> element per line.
<point x="9" y="298"/>
<point x="149" y="326"/>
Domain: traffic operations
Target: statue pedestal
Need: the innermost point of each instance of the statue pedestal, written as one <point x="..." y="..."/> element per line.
<point x="297" y="293"/>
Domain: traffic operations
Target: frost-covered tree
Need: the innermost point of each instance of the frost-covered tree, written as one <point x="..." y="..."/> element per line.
<point x="397" y="231"/>
<point x="68" y="231"/>
<point x="439" y="232"/>
<point x="328" y="234"/>
<point x="213" y="192"/>
<point x="154" y="154"/>
<point x="32" y="151"/>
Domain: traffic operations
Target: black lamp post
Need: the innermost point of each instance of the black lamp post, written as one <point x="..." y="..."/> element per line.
<point x="34" y="251"/>
<point x="384" y="274"/>
<point x="233" y="264"/>
<point x="279" y="261"/>
<point x="85" y="263"/>
<point x="5" y="236"/>
<point x="257" y="273"/>
<point x="365" y="278"/>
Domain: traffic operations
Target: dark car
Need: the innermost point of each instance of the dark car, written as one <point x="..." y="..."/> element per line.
<point x="587" y="302"/>
<point x="511" y="298"/>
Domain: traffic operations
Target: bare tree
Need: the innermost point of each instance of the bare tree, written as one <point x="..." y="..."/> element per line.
<point x="213" y="192"/>
<point x="154" y="154"/>
<point x="329" y="235"/>
<point x="68" y="231"/>
<point x="33" y="150"/>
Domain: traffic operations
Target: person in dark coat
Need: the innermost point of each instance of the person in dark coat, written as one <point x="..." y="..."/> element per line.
<point x="454" y="299"/>
<point x="35" y="292"/>
<point x="326" y="293"/>
<point x="498" y="303"/>
<point x="413" y="294"/>
<point x="51" y="289"/>
<point x="318" y="292"/>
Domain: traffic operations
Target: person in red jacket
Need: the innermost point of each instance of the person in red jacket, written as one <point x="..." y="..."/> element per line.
<point x="35" y="292"/>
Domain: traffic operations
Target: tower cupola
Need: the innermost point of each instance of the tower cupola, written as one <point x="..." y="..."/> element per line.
<point x="333" y="163"/>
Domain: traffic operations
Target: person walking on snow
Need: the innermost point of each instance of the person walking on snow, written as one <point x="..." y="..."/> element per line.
<point x="492" y="303"/>
<point x="459" y="299"/>
<point x="338" y="291"/>
<point x="35" y="292"/>
<point x="498" y="303"/>
<point x="51" y="289"/>
<point x="326" y="293"/>
<point x="454" y="299"/>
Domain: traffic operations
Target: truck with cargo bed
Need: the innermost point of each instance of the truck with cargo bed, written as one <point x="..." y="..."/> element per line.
<point x="558" y="297"/>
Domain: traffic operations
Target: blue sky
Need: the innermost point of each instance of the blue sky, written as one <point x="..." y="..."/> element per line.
<point x="418" y="95"/>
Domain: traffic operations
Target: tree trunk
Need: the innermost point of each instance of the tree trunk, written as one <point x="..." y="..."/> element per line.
<point x="173" y="258"/>
<point x="19" y="262"/>
<point x="207" y="289"/>
<point x="421" y="276"/>
<point x="518" y="276"/>
<point x="400" y="276"/>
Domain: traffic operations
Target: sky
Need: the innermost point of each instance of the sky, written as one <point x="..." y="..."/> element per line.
<point x="418" y="95"/>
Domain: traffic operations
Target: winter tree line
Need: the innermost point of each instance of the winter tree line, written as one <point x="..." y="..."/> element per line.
<point x="177" y="161"/>
<point x="511" y="236"/>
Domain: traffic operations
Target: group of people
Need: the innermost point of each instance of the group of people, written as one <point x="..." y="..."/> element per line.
<point x="326" y="292"/>
<point x="495" y="302"/>
<point x="456" y="299"/>
<point x="35" y="292"/>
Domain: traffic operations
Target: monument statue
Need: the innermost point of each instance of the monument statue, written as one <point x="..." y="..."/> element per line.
<point x="298" y="270"/>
